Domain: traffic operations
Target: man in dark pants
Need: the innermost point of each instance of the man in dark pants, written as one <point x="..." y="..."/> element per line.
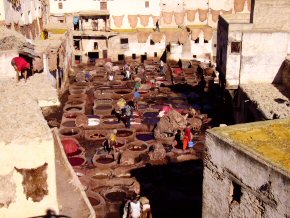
<point x="128" y="113"/>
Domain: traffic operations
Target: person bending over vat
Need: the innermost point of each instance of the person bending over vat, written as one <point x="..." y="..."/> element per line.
<point x="21" y="66"/>
<point x="128" y="113"/>
<point x="111" y="143"/>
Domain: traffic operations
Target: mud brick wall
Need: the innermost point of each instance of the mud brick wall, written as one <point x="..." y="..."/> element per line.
<point x="285" y="68"/>
<point x="237" y="185"/>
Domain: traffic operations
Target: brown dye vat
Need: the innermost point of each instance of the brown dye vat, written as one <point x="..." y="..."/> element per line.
<point x="69" y="124"/>
<point x="74" y="102"/>
<point x="94" y="201"/>
<point x="100" y="177"/>
<point x="96" y="136"/>
<point x="137" y="147"/>
<point x="145" y="136"/>
<point x="70" y="115"/>
<point x="156" y="106"/>
<point x="69" y="132"/>
<point x="76" y="161"/>
<point x="72" y="109"/>
<point x="104" y="160"/>
<point x="103" y="107"/>
<point x="150" y="114"/>
<point x="142" y="106"/>
<point x="78" y="92"/>
<point x="123" y="133"/>
<point x="104" y="87"/>
<point x="110" y="121"/>
<point x="77" y="152"/>
<point x="122" y="92"/>
<point x="117" y="196"/>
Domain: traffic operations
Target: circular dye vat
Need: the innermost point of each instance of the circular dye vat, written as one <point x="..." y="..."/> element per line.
<point x="124" y="133"/>
<point x="145" y="136"/>
<point x="110" y="121"/>
<point x="142" y="106"/>
<point x="157" y="106"/>
<point x="73" y="109"/>
<point x="150" y="114"/>
<point x="104" y="87"/>
<point x="122" y="92"/>
<point x="77" y="152"/>
<point x="69" y="123"/>
<point x="70" y="115"/>
<point x="96" y="136"/>
<point x="117" y="196"/>
<point x="104" y="160"/>
<point x="151" y="120"/>
<point x="93" y="121"/>
<point x="143" y="92"/>
<point x="77" y="92"/>
<point x="137" y="147"/>
<point x="69" y="132"/>
<point x="94" y="201"/>
<point x="167" y="147"/>
<point x="119" y="145"/>
<point x="74" y="102"/>
<point x="103" y="107"/>
<point x="76" y="161"/>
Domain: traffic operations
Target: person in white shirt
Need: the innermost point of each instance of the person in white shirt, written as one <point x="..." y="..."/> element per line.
<point x="133" y="208"/>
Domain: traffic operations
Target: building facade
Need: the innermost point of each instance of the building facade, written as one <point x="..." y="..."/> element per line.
<point x="188" y="26"/>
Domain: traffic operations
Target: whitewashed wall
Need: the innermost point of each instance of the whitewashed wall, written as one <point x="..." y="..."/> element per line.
<point x="7" y="72"/>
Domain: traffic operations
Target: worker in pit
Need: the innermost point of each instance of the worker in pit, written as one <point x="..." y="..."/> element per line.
<point x="22" y="67"/>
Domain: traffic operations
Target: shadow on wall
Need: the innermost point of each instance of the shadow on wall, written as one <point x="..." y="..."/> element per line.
<point x="283" y="74"/>
<point x="50" y="214"/>
<point x="174" y="190"/>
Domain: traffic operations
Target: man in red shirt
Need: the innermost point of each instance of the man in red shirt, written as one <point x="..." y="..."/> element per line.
<point x="21" y="66"/>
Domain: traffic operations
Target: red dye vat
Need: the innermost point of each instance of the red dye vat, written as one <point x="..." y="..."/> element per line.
<point x="70" y="146"/>
<point x="76" y="161"/>
<point x="93" y="201"/>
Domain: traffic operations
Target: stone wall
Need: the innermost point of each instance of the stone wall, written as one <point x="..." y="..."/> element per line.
<point x="261" y="57"/>
<point x="237" y="185"/>
<point x="274" y="15"/>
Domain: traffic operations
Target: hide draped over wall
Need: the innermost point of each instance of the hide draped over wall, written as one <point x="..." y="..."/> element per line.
<point x="215" y="15"/>
<point x="133" y="20"/>
<point x="144" y="19"/>
<point x="167" y="17"/>
<point x="171" y="36"/>
<point x="179" y="18"/>
<point x="191" y="15"/>
<point x="156" y="37"/>
<point x="239" y="5"/>
<point x="142" y="37"/>
<point x="118" y="20"/>
<point x="202" y="14"/>
<point x="208" y="32"/>
<point x="183" y="36"/>
<point x="195" y="33"/>
<point x="155" y="18"/>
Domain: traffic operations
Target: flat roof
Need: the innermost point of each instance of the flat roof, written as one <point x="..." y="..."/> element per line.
<point x="266" y="141"/>
<point x="271" y="99"/>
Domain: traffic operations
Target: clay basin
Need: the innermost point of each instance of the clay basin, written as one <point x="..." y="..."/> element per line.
<point x="104" y="161"/>
<point x="97" y="202"/>
<point x="97" y="136"/>
<point x="123" y="93"/>
<point x="77" y="97"/>
<point x="77" y="161"/>
<point x="75" y="102"/>
<point x="70" y="115"/>
<point x="73" y="132"/>
<point x="103" y="109"/>
<point x="150" y="114"/>
<point x="115" y="196"/>
<point x="138" y="147"/>
<point x="77" y="90"/>
<point x="103" y="100"/>
<point x="125" y="135"/>
<point x="145" y="136"/>
<point x="109" y="120"/>
<point x="71" y="108"/>
<point x="69" y="123"/>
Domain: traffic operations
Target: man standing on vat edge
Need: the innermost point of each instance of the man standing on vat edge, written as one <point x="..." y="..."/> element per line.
<point x="21" y="66"/>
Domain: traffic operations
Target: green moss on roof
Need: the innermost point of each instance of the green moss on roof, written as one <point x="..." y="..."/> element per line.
<point x="268" y="140"/>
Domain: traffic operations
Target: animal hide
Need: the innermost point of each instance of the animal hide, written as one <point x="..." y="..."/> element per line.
<point x="167" y="17"/>
<point x="34" y="182"/>
<point x="202" y="14"/>
<point x="133" y="20"/>
<point x="191" y="15"/>
<point x="179" y="18"/>
<point x="8" y="190"/>
<point x="118" y="20"/>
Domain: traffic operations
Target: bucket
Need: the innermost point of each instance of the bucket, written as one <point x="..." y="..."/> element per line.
<point x="191" y="144"/>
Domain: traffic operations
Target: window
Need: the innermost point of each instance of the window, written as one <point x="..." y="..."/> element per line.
<point x="103" y="5"/>
<point x="77" y="44"/>
<point x="61" y="21"/>
<point x="194" y="56"/>
<point x="155" y="54"/>
<point x="121" y="57"/>
<point x="60" y="5"/>
<point x="124" y="40"/>
<point x="197" y="40"/>
<point x="134" y="56"/>
<point x="152" y="42"/>
<point x="214" y="45"/>
<point x="235" y="47"/>
<point x="146" y="4"/>
<point x="96" y="47"/>
<point x="235" y="192"/>
<point x="78" y="59"/>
